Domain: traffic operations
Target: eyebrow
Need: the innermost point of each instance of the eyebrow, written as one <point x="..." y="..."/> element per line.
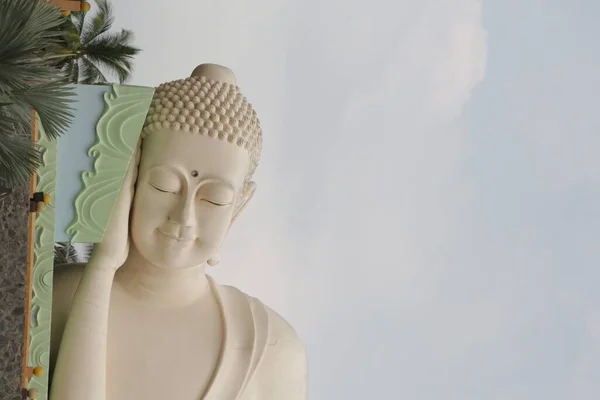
<point x="211" y="179"/>
<point x="201" y="180"/>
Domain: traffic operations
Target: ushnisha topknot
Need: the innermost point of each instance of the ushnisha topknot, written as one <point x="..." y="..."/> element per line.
<point x="207" y="103"/>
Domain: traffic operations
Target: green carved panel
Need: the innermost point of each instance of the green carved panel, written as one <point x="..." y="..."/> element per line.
<point x="117" y="134"/>
<point x="41" y="284"/>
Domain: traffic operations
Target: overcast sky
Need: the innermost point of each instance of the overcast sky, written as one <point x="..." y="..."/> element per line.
<point x="427" y="205"/>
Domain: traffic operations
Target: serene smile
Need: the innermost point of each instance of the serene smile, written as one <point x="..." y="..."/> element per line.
<point x="174" y="237"/>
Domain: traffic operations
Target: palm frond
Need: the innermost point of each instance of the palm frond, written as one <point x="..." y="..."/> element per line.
<point x="47" y="19"/>
<point x="74" y="72"/>
<point x="31" y="35"/>
<point x="71" y="39"/>
<point x="18" y="160"/>
<point x="90" y="73"/>
<point x="29" y="32"/>
<point x="85" y="252"/>
<point x="64" y="253"/>
<point x="52" y="102"/>
<point x="18" y="156"/>
<point x="100" y="23"/>
<point x="78" y="20"/>
<point x="27" y="26"/>
<point x="97" y="52"/>
<point x="113" y="52"/>
<point x="67" y="253"/>
<point x="16" y="76"/>
<point x="70" y="69"/>
<point x="9" y="123"/>
<point x="65" y="65"/>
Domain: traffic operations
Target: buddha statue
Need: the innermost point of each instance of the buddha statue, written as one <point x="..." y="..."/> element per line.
<point x="142" y="319"/>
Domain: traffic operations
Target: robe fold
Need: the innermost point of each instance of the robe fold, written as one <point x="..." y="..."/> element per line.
<point x="261" y="356"/>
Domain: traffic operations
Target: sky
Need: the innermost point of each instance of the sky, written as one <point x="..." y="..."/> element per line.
<point x="426" y="214"/>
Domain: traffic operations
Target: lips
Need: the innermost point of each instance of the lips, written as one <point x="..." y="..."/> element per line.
<point x="173" y="237"/>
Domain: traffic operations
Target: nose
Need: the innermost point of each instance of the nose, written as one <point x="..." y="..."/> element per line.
<point x="183" y="215"/>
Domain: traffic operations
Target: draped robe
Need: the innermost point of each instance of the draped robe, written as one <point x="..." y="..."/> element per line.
<point x="261" y="357"/>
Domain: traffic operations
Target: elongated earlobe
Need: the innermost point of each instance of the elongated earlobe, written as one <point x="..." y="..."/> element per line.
<point x="214" y="260"/>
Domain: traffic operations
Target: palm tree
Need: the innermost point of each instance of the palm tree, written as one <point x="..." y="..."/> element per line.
<point x="66" y="253"/>
<point x="29" y="81"/>
<point x="91" y="50"/>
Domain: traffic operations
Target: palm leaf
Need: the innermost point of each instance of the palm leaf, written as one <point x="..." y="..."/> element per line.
<point x="9" y="123"/>
<point x="113" y="53"/>
<point x="90" y="73"/>
<point x="78" y="20"/>
<point x="64" y="253"/>
<point x="74" y="72"/>
<point x="28" y="32"/>
<point x="100" y="23"/>
<point x="46" y="20"/>
<point x="97" y="51"/>
<point x="18" y="159"/>
<point x="31" y="32"/>
<point x="52" y="102"/>
<point x="18" y="156"/>
<point x="70" y="68"/>
<point x="85" y="252"/>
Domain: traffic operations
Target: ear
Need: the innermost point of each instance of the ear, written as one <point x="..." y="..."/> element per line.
<point x="246" y="196"/>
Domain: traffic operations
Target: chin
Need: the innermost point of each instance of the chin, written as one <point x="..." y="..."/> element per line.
<point x="172" y="258"/>
<point x="170" y="254"/>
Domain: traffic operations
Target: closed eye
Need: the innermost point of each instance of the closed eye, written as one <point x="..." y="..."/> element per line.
<point x="215" y="203"/>
<point x="161" y="190"/>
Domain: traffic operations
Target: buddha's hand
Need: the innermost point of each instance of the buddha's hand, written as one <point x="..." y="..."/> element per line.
<point x="112" y="252"/>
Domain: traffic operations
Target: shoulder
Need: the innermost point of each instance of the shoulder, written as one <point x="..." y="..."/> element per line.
<point x="280" y="331"/>
<point x="282" y="371"/>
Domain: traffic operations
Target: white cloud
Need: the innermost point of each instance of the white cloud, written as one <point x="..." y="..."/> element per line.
<point x="384" y="179"/>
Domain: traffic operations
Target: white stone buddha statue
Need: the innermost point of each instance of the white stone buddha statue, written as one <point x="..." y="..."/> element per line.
<point x="142" y="320"/>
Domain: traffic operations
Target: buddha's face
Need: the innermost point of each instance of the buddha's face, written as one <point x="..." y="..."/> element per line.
<point x="186" y="195"/>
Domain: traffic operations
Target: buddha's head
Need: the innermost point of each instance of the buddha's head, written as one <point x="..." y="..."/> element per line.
<point x="200" y="146"/>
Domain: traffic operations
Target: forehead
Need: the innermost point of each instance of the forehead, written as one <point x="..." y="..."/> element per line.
<point x="189" y="152"/>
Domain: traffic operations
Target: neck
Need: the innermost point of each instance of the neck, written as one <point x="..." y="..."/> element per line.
<point x="160" y="286"/>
